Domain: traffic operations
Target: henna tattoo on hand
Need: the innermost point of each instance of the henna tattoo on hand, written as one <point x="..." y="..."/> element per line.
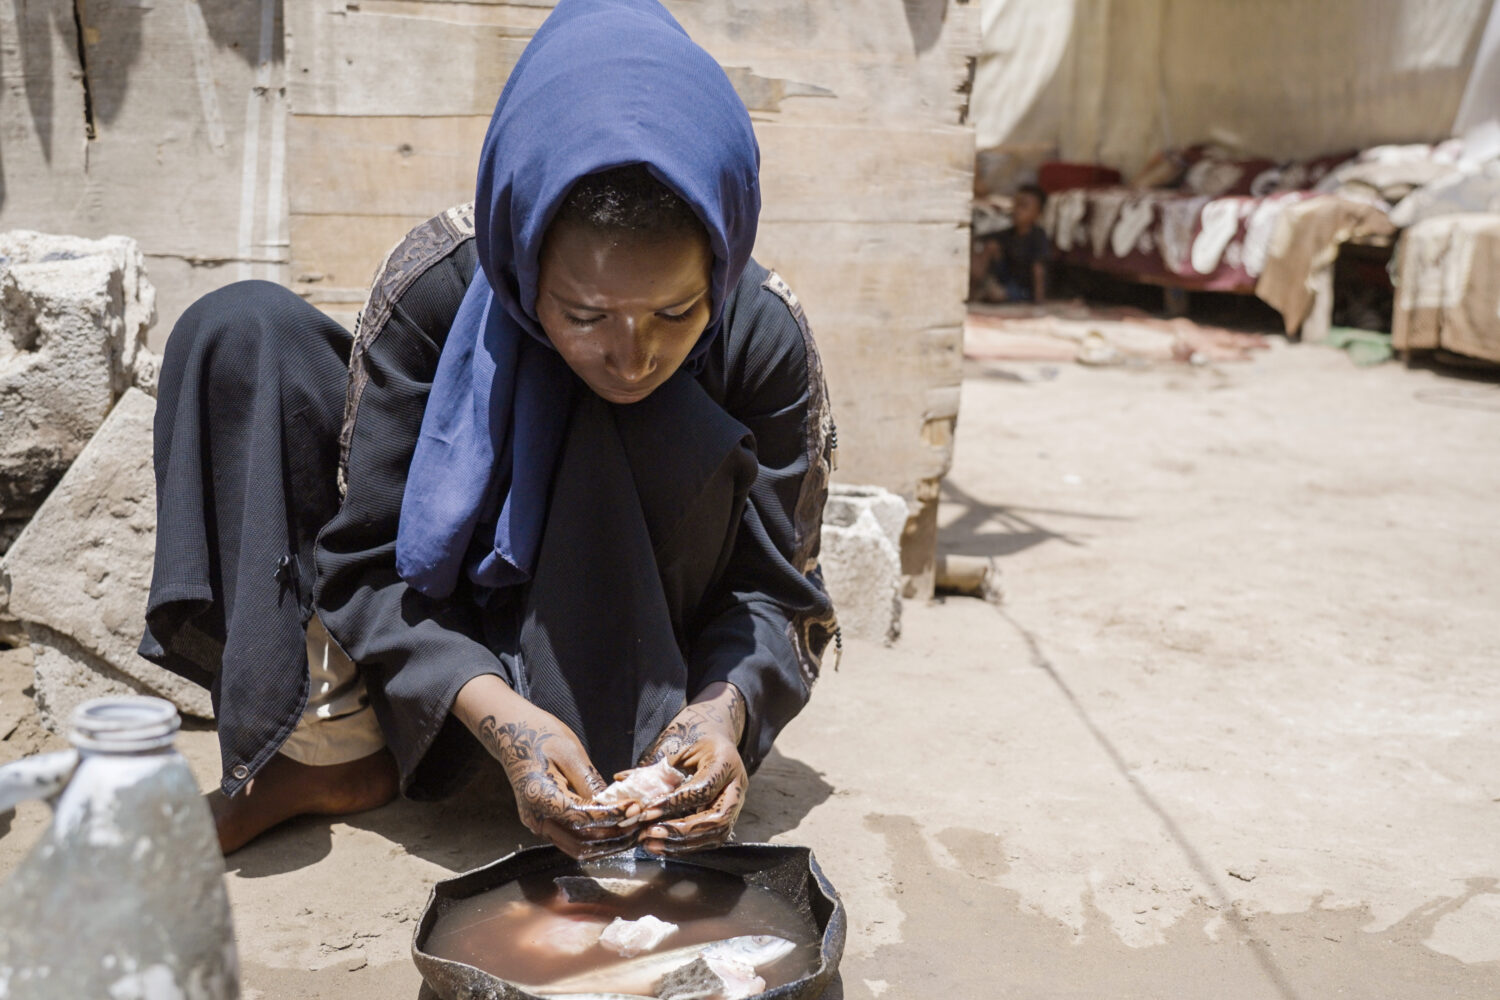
<point x="513" y="742"/>
<point x="709" y="828"/>
<point x="540" y="796"/>
<point x="519" y="749"/>
<point x="703" y="792"/>
<point x="696" y="721"/>
<point x="681" y="734"/>
<point x="701" y="740"/>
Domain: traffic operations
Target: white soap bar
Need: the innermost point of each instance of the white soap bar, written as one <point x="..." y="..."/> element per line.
<point x="629" y="938"/>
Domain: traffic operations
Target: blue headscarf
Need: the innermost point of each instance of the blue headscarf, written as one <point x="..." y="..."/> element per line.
<point x="603" y="84"/>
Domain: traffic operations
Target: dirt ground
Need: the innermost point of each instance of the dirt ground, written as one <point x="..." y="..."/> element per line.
<point x="1233" y="733"/>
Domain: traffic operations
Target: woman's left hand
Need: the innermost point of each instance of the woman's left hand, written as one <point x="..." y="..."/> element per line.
<point x="703" y="741"/>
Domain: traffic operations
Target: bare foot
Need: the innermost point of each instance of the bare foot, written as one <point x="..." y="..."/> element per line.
<point x="284" y="789"/>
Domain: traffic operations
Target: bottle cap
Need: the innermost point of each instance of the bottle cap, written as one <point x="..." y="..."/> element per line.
<point x="124" y="725"/>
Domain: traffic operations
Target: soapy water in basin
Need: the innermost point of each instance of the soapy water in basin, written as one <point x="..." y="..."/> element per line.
<point x="536" y="931"/>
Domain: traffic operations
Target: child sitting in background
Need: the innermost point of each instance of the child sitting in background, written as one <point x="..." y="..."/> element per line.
<point x="1018" y="267"/>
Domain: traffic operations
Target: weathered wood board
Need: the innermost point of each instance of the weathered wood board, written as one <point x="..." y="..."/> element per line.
<point x="164" y="122"/>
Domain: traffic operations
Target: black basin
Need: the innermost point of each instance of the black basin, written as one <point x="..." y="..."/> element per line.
<point x="790" y="871"/>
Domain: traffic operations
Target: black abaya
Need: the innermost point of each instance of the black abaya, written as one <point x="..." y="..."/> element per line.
<point x="680" y="545"/>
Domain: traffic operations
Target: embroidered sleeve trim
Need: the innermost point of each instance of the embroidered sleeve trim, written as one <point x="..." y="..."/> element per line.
<point x="418" y="251"/>
<point x="811" y="633"/>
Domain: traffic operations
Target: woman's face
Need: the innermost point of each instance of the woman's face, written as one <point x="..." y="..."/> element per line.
<point x="623" y="311"/>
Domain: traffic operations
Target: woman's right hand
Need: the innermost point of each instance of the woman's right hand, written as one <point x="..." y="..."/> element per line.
<point x="550" y="771"/>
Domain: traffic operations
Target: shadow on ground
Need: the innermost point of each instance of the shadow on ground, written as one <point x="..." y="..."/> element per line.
<point x="478" y="824"/>
<point x="1456" y="367"/>
<point x="999" y="530"/>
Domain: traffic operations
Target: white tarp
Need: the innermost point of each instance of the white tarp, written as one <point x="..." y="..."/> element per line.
<point x="1114" y="81"/>
<point x="1481" y="102"/>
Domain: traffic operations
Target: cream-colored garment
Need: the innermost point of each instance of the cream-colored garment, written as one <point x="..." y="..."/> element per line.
<point x="1303" y="247"/>
<point x="1447" y="289"/>
<point x="338" y="724"/>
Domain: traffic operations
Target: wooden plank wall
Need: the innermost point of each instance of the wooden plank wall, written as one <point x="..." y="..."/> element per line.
<point x="866" y="215"/>
<point x="389" y="101"/>
<point x="159" y="119"/>
<point x="234" y="140"/>
<point x="867" y="169"/>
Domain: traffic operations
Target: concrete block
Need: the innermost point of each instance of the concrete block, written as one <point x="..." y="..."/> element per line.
<point x="861" y="560"/>
<point x="888" y="509"/>
<point x="67" y="675"/>
<point x="81" y="571"/>
<point x="73" y="319"/>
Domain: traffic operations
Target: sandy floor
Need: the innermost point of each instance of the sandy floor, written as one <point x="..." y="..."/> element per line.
<point x="1234" y="732"/>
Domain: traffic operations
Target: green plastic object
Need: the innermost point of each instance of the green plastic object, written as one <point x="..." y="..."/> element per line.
<point x="1364" y="347"/>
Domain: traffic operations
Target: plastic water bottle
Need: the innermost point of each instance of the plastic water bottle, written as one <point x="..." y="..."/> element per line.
<point x="123" y="897"/>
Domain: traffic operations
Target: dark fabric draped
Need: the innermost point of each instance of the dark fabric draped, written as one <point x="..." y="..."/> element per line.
<point x="246" y="449"/>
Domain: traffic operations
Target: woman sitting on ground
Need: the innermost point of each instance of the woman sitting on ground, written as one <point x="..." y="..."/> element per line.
<point x="558" y="499"/>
